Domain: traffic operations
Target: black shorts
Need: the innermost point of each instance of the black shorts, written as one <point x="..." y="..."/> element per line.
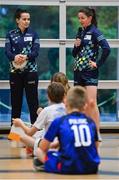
<point x="86" y="78"/>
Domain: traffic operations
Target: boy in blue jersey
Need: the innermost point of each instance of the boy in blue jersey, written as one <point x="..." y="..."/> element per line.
<point x="78" y="141"/>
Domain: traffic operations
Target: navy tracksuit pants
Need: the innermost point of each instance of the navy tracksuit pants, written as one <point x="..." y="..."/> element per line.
<point x="20" y="82"/>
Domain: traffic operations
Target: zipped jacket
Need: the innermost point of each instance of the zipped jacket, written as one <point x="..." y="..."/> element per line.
<point x="91" y="41"/>
<point x="26" y="43"/>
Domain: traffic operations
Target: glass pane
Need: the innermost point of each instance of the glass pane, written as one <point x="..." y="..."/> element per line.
<point x="5" y="106"/>
<point x="69" y="63"/>
<point x="110" y="66"/>
<point x="48" y="63"/>
<point x="4" y="65"/>
<point x="104" y="14"/>
<point x="44" y="20"/>
<point x="107" y="103"/>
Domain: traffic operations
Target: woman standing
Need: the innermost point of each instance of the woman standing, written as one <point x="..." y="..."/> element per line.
<point x="86" y="64"/>
<point x="22" y="48"/>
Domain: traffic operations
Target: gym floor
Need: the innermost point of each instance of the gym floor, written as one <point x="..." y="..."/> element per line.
<point x="15" y="165"/>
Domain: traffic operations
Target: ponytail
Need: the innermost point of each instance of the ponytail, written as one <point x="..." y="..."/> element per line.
<point x="94" y="20"/>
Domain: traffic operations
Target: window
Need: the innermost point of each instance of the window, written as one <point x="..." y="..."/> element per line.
<point x="56" y="23"/>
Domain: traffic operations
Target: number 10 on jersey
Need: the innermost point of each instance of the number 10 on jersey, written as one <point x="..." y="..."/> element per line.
<point x="82" y="135"/>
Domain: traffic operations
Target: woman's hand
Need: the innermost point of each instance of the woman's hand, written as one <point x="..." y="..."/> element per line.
<point x="20" y="58"/>
<point x="92" y="64"/>
<point x="77" y="42"/>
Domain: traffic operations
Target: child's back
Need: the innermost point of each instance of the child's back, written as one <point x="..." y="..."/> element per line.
<point x="48" y="114"/>
<point x="77" y="136"/>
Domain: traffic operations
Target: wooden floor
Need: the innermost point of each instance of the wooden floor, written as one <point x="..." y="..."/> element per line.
<point x="14" y="164"/>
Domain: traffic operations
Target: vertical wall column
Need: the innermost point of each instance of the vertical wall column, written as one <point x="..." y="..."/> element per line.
<point x="62" y="36"/>
<point x="118" y="68"/>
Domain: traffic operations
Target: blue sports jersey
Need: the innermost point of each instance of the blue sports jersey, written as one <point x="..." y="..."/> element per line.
<point x="26" y="43"/>
<point x="77" y="136"/>
<point x="91" y="40"/>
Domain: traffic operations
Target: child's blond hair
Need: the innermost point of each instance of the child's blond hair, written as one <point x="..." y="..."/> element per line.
<point x="76" y="97"/>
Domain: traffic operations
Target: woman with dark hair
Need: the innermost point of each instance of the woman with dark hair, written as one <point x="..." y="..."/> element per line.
<point x="86" y="63"/>
<point x="22" y="48"/>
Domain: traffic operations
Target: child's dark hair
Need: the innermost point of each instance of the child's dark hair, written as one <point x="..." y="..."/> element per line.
<point x="56" y="92"/>
<point x="90" y="12"/>
<point x="18" y="13"/>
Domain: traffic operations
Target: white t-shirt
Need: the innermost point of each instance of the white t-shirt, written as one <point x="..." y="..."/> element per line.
<point x="44" y="119"/>
<point x="48" y="114"/>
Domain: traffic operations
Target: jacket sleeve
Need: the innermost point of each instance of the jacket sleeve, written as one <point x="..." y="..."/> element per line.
<point x="104" y="47"/>
<point x="75" y="51"/>
<point x="35" y="48"/>
<point x="8" y="48"/>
